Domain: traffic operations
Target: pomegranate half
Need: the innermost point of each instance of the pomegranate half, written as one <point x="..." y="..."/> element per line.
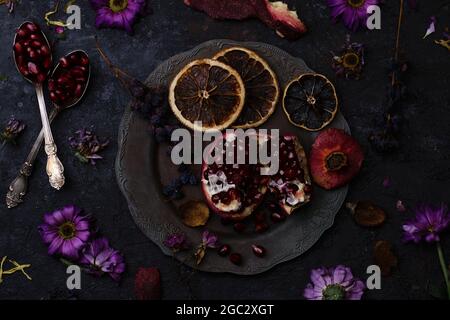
<point x="234" y="191"/>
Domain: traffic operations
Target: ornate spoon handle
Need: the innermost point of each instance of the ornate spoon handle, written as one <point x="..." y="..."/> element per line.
<point x="18" y="187"/>
<point x="54" y="168"/>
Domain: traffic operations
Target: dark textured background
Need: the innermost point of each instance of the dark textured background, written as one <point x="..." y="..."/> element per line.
<point x="420" y="171"/>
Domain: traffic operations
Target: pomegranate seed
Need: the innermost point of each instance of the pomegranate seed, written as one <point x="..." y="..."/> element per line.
<point x="81" y="80"/>
<point x="41" y="77"/>
<point x="36" y="44"/>
<point x="236" y="258"/>
<point x="45" y="50"/>
<point x="64" y="62"/>
<point x="224" y="250"/>
<point x="35" y="36"/>
<point x="77" y="73"/>
<point x="18" y="48"/>
<point x="307" y="188"/>
<point x="277" y="217"/>
<point x="33" y="68"/>
<point x="78" y="90"/>
<point x="261" y="227"/>
<point x="258" y="250"/>
<point x="239" y="227"/>
<point x="24" y="70"/>
<point x="84" y="61"/>
<point x="73" y="58"/>
<point x="54" y="97"/>
<point x="47" y="63"/>
<point x="32" y="27"/>
<point x="22" y="33"/>
<point x="33" y="55"/>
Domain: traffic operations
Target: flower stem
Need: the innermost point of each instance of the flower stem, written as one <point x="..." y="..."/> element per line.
<point x="444" y="267"/>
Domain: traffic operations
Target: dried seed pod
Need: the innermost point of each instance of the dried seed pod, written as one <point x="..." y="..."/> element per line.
<point x="384" y="257"/>
<point x="366" y="213"/>
<point x="194" y="213"/>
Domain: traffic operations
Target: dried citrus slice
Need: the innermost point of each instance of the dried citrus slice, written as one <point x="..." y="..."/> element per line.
<point x="261" y="86"/>
<point x="310" y="102"/>
<point x="209" y="91"/>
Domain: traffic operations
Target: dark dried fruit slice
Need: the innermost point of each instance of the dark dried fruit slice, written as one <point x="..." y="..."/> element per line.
<point x="261" y="85"/>
<point x="208" y="91"/>
<point x="335" y="158"/>
<point x="194" y="213"/>
<point x="366" y="213"/>
<point x="310" y="102"/>
<point x="384" y="257"/>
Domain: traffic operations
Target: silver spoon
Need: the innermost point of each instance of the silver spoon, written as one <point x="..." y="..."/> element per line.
<point x="54" y="168"/>
<point x="18" y="187"/>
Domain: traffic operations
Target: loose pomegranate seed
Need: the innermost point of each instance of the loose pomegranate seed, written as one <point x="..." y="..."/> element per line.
<point x="239" y="227"/>
<point x="261" y="227"/>
<point x="224" y="250"/>
<point x="236" y="258"/>
<point x="277" y="217"/>
<point x="258" y="250"/>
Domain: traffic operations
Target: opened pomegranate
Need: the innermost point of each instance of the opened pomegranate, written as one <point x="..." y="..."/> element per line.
<point x="291" y="186"/>
<point x="233" y="190"/>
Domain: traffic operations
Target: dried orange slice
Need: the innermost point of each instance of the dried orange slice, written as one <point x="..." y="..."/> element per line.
<point x="209" y="91"/>
<point x="310" y="102"/>
<point x="261" y="85"/>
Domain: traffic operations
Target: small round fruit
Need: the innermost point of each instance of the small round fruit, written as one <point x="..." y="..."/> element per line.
<point x="335" y="158"/>
<point x="208" y="91"/>
<point x="236" y="259"/>
<point x="310" y="102"/>
<point x="224" y="250"/>
<point x="261" y="85"/>
<point x="258" y="250"/>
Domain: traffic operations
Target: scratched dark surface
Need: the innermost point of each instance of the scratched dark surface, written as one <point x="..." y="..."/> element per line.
<point x="419" y="172"/>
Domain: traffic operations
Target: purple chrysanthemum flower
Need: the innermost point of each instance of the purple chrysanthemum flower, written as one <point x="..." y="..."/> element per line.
<point x="100" y="258"/>
<point x="352" y="12"/>
<point x="87" y="146"/>
<point x="428" y="223"/>
<point x="176" y="242"/>
<point x="118" y="13"/>
<point x="66" y="231"/>
<point x="335" y="283"/>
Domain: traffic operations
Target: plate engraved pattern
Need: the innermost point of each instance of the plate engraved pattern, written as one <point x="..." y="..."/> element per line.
<point x="138" y="177"/>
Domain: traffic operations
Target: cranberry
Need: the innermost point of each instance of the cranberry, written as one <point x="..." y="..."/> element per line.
<point x="236" y="259"/>
<point x="239" y="227"/>
<point x="258" y="250"/>
<point x="224" y="250"/>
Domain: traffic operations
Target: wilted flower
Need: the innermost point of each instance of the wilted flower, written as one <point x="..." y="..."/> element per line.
<point x="120" y="14"/>
<point x="428" y="223"/>
<point x="100" y="258"/>
<point x="209" y="240"/>
<point x="87" y="146"/>
<point x="353" y="12"/>
<point x="335" y="283"/>
<point x="176" y="242"/>
<point x="66" y="231"/>
<point x="12" y="130"/>
<point x="350" y="60"/>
